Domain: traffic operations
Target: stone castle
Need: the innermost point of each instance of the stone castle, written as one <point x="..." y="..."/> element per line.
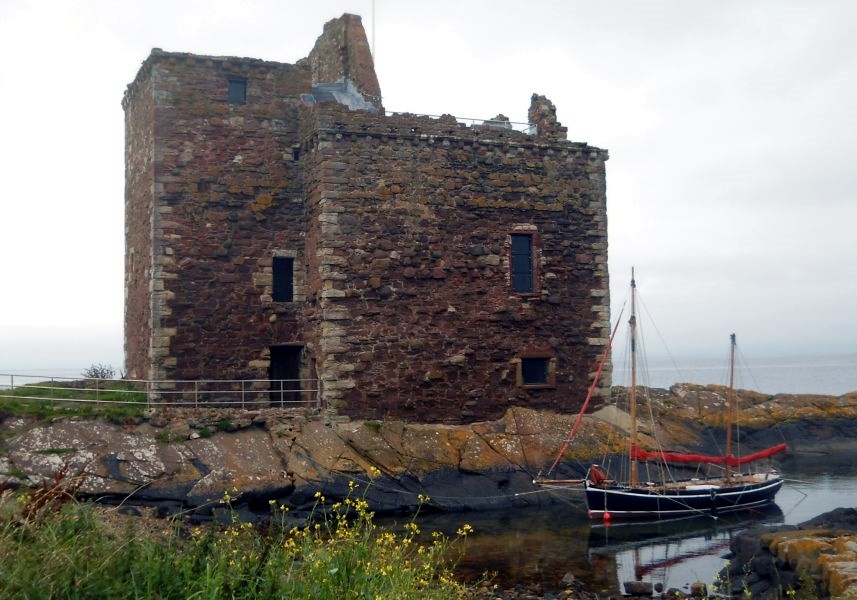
<point x="280" y="225"/>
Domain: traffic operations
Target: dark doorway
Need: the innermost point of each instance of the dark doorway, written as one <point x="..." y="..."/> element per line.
<point x="285" y="374"/>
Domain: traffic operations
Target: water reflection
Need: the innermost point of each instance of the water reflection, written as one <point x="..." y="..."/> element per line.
<point x="541" y="545"/>
<point x="531" y="545"/>
<point x="674" y="553"/>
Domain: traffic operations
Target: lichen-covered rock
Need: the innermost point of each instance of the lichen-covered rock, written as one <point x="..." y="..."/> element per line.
<point x="820" y="554"/>
<point x="288" y="456"/>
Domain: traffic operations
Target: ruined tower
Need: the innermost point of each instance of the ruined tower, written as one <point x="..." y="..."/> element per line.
<point x="280" y="225"/>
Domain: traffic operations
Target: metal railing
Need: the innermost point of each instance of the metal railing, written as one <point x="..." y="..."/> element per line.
<point x="196" y="393"/>
<point x="526" y="128"/>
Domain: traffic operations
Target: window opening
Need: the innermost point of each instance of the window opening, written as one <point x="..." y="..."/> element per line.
<point x="522" y="262"/>
<point x="237" y="91"/>
<point x="534" y="371"/>
<point x="283" y="276"/>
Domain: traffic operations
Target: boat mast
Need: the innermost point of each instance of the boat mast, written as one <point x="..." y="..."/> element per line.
<point x="633" y="392"/>
<point x="730" y="405"/>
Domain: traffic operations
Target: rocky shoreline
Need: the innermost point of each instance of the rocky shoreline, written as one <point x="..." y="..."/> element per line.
<point x="186" y="459"/>
<point x="182" y="461"/>
<point x="817" y="558"/>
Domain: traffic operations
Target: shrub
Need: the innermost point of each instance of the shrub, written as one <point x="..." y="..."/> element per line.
<point x="98" y="371"/>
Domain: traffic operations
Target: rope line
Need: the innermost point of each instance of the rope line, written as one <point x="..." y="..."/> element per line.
<point x="579" y="418"/>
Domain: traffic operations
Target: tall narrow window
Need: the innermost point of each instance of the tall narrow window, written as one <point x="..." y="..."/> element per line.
<point x="284" y="276"/>
<point x="237" y="91"/>
<point x="522" y="262"/>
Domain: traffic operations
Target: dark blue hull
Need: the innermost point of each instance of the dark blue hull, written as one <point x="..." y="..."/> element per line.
<point x="695" y="497"/>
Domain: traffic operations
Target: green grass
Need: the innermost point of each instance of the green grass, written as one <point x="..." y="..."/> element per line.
<point x="46" y="400"/>
<point x="67" y="551"/>
<point x="165" y="436"/>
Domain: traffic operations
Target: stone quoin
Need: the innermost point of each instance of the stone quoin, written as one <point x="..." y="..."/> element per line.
<point x="280" y="224"/>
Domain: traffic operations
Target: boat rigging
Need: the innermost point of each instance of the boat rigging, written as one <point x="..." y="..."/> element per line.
<point x="607" y="497"/>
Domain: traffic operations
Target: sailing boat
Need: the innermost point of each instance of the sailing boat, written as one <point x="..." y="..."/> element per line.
<point x="733" y="490"/>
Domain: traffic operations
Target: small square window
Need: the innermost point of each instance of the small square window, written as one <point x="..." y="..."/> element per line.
<point x="535" y="371"/>
<point x="237" y="91"/>
<point x="283" y="274"/>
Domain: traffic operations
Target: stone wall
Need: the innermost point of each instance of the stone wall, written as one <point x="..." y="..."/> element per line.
<point x="399" y="227"/>
<point x="228" y="199"/>
<point x="342" y="51"/>
<point x="139" y="212"/>
<point x="412" y="264"/>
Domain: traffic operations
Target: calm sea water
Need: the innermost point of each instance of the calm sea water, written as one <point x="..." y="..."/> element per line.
<point x="543" y="544"/>
<point x="834" y="374"/>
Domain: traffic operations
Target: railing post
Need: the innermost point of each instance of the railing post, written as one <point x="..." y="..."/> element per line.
<point x="196" y="393"/>
<point x="242" y="396"/>
<point x="281" y="394"/>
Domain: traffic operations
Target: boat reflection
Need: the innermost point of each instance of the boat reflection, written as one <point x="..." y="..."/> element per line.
<point x="675" y="552"/>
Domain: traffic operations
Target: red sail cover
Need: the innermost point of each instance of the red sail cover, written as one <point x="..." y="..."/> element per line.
<point x="732" y="461"/>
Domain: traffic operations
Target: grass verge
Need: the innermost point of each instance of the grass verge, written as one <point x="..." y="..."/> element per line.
<point x="64" y="550"/>
<point x="114" y="400"/>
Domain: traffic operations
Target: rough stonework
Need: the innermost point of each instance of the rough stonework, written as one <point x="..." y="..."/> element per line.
<point x="405" y="298"/>
<point x="342" y="53"/>
<point x="542" y="114"/>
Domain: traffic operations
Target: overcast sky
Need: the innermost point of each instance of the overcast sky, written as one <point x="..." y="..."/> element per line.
<point x="731" y="126"/>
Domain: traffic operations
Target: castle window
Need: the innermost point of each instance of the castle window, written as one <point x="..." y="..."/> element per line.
<point x="537" y="372"/>
<point x="522" y="271"/>
<point x="284" y="276"/>
<point x="534" y="371"/>
<point x="237" y="91"/>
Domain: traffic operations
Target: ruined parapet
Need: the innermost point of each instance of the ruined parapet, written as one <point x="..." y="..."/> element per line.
<point x="342" y="54"/>
<point x="542" y="114"/>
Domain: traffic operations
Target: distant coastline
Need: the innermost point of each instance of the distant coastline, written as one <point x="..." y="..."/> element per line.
<point x="831" y="374"/>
